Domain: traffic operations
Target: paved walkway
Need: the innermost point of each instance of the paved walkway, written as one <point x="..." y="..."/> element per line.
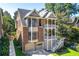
<point x="38" y="52"/>
<point x="11" y="49"/>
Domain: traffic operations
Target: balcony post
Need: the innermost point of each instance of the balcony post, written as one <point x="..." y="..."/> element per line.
<point x="31" y="29"/>
<point x="55" y="28"/>
<point x="47" y="34"/>
<point x="51" y="33"/>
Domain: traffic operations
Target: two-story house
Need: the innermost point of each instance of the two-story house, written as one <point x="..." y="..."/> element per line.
<point x="36" y="29"/>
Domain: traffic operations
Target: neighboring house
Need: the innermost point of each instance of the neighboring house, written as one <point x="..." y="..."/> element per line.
<point x="37" y="30"/>
<point x="75" y="22"/>
<point x="1" y="22"/>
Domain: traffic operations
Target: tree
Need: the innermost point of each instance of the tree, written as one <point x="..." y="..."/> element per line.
<point x="8" y="23"/>
<point x="6" y="13"/>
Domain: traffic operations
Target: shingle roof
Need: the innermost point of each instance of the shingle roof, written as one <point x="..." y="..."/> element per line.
<point x="46" y="14"/>
<point x="42" y="13"/>
<point x="23" y="12"/>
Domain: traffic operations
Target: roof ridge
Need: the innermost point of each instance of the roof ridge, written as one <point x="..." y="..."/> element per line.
<point x="23" y="9"/>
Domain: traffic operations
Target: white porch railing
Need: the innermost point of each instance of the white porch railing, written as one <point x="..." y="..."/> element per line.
<point x="50" y="26"/>
<point x="50" y="38"/>
<point x="58" y="45"/>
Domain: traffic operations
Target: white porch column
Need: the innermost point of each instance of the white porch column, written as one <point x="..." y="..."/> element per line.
<point x="47" y="34"/>
<point x="51" y="33"/>
<point x="55" y="29"/>
<point x="31" y="29"/>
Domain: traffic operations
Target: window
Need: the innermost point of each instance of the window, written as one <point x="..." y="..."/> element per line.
<point x="45" y="32"/>
<point x="29" y="22"/>
<point x="33" y="35"/>
<point x="53" y="21"/>
<point x="49" y="32"/>
<point x="29" y="35"/>
<point x="40" y="22"/>
<point x="34" y="22"/>
<point x="49" y="21"/>
<point x="53" y="32"/>
<point x="45" y="21"/>
<point x="26" y="22"/>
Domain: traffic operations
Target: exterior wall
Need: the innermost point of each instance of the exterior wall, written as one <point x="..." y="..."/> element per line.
<point x="18" y="26"/>
<point x="29" y="46"/>
<point x="25" y="38"/>
<point x="40" y="34"/>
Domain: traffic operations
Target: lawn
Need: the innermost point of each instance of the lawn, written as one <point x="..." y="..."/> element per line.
<point x="69" y="53"/>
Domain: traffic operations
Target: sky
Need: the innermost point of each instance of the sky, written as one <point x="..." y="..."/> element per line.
<point x="12" y="7"/>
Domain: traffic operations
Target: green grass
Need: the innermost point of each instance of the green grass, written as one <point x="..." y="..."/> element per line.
<point x="69" y="53"/>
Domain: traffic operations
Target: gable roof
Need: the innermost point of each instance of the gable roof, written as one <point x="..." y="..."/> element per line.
<point x="46" y="14"/>
<point x="23" y="12"/>
<point x="50" y="15"/>
<point x="43" y="12"/>
<point x="32" y="13"/>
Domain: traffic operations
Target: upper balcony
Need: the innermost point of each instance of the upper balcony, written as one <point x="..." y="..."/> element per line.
<point x="50" y="26"/>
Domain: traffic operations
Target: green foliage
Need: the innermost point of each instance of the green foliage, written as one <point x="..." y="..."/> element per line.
<point x="8" y="24"/>
<point x="6" y="13"/>
<point x="62" y="8"/>
<point x="18" y="48"/>
<point x="4" y="46"/>
<point x="8" y="28"/>
<point x="77" y="47"/>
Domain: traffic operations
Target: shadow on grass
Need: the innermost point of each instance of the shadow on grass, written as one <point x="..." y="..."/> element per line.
<point x="62" y="51"/>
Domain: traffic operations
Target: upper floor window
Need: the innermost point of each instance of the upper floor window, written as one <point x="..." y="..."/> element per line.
<point x="49" y="21"/>
<point x="49" y="32"/>
<point x="45" y="32"/>
<point x="53" y="31"/>
<point x="29" y="22"/>
<point x="40" y="22"/>
<point x="53" y="21"/>
<point x="32" y="22"/>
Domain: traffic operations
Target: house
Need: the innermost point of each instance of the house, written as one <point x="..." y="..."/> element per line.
<point x="75" y="22"/>
<point x="36" y="29"/>
<point x="1" y="22"/>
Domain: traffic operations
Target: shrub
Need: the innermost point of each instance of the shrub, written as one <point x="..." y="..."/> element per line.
<point x="77" y="47"/>
<point x="4" y="46"/>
